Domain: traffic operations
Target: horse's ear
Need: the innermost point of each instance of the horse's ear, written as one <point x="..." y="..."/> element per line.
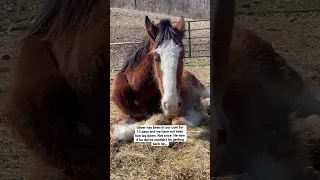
<point x="181" y="24"/>
<point x="151" y="28"/>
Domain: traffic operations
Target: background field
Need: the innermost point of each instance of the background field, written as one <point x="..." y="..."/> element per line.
<point x="141" y="161"/>
<point x="294" y="35"/>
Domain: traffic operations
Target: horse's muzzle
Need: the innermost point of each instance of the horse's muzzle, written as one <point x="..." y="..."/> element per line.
<point x="171" y="111"/>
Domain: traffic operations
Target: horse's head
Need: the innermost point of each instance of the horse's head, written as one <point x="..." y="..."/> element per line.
<point x="167" y="51"/>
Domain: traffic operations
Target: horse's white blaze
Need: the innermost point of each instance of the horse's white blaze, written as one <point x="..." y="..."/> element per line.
<point x="169" y="53"/>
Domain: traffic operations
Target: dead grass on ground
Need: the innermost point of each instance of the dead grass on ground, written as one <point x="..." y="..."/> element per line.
<point x="190" y="160"/>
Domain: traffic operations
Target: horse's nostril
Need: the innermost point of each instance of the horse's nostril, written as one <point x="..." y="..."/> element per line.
<point x="179" y="104"/>
<point x="165" y="105"/>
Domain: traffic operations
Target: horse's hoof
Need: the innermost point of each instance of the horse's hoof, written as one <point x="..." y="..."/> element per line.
<point x="179" y="121"/>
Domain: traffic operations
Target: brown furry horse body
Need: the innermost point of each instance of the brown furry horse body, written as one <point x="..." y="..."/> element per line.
<point x="138" y="88"/>
<point x="257" y="91"/>
<point x="58" y="99"/>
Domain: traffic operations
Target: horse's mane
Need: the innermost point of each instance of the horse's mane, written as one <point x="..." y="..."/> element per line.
<point x="62" y="14"/>
<point x="134" y="58"/>
<point x="165" y="32"/>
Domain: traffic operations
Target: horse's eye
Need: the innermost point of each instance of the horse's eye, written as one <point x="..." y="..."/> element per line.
<point x="157" y="58"/>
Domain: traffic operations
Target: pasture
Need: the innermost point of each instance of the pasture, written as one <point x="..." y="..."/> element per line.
<point x="140" y="160"/>
<point x="295" y="36"/>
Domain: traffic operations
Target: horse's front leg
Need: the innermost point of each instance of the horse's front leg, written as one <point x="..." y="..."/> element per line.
<point x="192" y="118"/>
<point x="123" y="97"/>
<point x="124" y="127"/>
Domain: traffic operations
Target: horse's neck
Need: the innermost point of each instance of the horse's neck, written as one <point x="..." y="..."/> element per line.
<point x="142" y="76"/>
<point x="141" y="81"/>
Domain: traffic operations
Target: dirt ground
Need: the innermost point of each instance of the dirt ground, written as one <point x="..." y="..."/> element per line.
<point x="294" y="35"/>
<point x="140" y="160"/>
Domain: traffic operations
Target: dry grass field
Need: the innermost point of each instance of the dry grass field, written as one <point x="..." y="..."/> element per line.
<point x="294" y="35"/>
<point x="182" y="161"/>
<point x="140" y="160"/>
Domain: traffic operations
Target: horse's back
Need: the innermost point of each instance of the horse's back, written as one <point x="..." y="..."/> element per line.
<point x="244" y="42"/>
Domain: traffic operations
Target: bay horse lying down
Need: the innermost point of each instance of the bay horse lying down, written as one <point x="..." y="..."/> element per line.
<point x="153" y="80"/>
<point x="259" y="93"/>
<point x="58" y="99"/>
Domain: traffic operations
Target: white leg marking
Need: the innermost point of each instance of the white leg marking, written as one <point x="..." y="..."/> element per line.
<point x="205" y="94"/>
<point x="157" y="119"/>
<point x="124" y="132"/>
<point x="193" y="118"/>
<point x="206" y="103"/>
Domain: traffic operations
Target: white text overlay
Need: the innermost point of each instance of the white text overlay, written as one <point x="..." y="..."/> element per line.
<point x="160" y="135"/>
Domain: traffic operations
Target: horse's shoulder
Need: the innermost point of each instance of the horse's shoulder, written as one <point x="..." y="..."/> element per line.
<point x="244" y="40"/>
<point x="120" y="78"/>
<point x="188" y="78"/>
<point x="186" y="73"/>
